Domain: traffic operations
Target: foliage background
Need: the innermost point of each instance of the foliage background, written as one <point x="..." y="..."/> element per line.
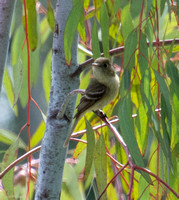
<point x="149" y="88"/>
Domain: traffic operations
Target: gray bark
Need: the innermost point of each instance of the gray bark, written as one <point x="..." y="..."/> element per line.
<point x="53" y="154"/>
<point x="6" y="13"/>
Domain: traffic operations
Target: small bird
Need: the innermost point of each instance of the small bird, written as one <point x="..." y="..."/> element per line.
<point x="102" y="89"/>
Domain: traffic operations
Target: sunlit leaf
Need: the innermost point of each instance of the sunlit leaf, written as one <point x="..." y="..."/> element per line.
<point x="97" y="4"/>
<point x="81" y="28"/>
<point x="50" y="16"/>
<point x="7" y="180"/>
<point x="8" y="137"/>
<point x="115" y="33"/>
<point x="71" y="181"/>
<point x="32" y="24"/>
<point x="142" y="128"/>
<point x="79" y="148"/>
<point x="9" y="91"/>
<point x="135" y="88"/>
<point x="38" y="135"/>
<point x="86" y="4"/>
<point x="144" y="190"/>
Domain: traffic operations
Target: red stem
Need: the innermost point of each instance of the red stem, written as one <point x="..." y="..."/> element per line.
<point x="160" y="180"/>
<point x="29" y="93"/>
<point x="113" y="178"/>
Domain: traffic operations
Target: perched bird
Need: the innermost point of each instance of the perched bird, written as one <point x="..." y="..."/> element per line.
<point x="102" y="89"/>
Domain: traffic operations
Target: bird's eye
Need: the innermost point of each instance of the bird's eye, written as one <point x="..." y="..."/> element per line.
<point x="105" y="65"/>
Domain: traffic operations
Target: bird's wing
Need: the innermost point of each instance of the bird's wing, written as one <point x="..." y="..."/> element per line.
<point x="93" y="93"/>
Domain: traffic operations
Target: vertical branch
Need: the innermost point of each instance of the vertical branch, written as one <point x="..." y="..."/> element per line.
<point x="53" y="154"/>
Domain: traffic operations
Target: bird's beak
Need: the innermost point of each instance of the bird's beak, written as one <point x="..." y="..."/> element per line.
<point x="95" y="64"/>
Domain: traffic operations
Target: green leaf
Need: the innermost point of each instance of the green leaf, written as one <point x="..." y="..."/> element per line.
<point x="135" y="8"/>
<point x="32" y="24"/>
<point x="100" y="163"/>
<point x="50" y="16"/>
<point x="45" y="31"/>
<point x="95" y="41"/>
<point x="126" y="22"/>
<point x="9" y="91"/>
<point x="70" y="29"/>
<point x="165" y="92"/>
<point x="129" y="52"/>
<point x="115" y="34"/>
<point x="116" y="5"/>
<point x="90" y="148"/>
<point x="144" y="190"/>
<point x="7" y="180"/>
<point x="143" y="57"/>
<point x="127" y="129"/>
<point x="177" y="8"/>
<point x="174" y="76"/>
<point x="150" y="111"/>
<point x="166" y="130"/>
<point x="149" y="6"/>
<point x="125" y="83"/>
<point x="34" y="66"/>
<point x="141" y="122"/>
<point x="23" y="96"/>
<point x="86" y="4"/>
<point x="81" y="28"/>
<point x="38" y="135"/>
<point x="8" y="137"/>
<point x="162" y="6"/>
<point x="17" y="43"/>
<point x="104" y="20"/>
<point x="18" y="78"/>
<point x="71" y="181"/>
<point x="97" y="4"/>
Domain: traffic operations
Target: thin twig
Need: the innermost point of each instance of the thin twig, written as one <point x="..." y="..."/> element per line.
<point x="26" y="155"/>
<point x="120" y="50"/>
<point x="160" y="180"/>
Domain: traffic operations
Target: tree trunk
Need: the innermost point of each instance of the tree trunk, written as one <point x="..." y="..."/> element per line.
<point x="53" y="154"/>
<point x="6" y="13"/>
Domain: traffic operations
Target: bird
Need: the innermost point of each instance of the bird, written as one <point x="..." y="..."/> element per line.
<point x="102" y="89"/>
